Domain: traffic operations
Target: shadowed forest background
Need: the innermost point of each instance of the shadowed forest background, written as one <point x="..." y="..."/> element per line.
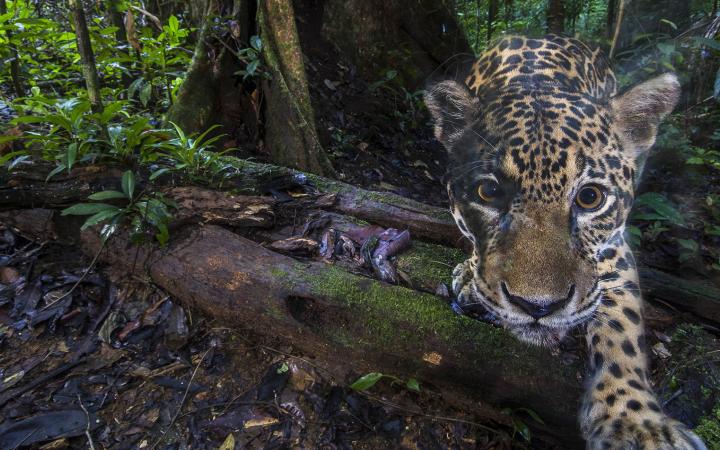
<point x="223" y="224"/>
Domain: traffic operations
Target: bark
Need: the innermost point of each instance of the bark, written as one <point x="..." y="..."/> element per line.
<point x="556" y="16"/>
<point x="195" y="107"/>
<point x="14" y="58"/>
<point x="290" y="132"/>
<point x="87" y="57"/>
<point x="350" y="323"/>
<point x="610" y="20"/>
<point x="493" y="9"/>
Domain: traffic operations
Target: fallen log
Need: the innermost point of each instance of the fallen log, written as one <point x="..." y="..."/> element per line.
<point x="27" y="188"/>
<point x="353" y="324"/>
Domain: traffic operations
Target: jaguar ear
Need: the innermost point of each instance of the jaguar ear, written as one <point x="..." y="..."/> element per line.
<point x="453" y="108"/>
<point x="638" y="112"/>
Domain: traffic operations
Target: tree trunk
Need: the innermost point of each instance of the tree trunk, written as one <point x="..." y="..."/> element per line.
<point x="493" y="8"/>
<point x="87" y="57"/>
<point x="290" y="133"/>
<point x="14" y="58"/>
<point x="610" y="20"/>
<point x="195" y="107"/>
<point x="556" y="16"/>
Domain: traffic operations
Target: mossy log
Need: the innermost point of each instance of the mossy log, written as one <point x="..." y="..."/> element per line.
<point x="27" y="188"/>
<point x="352" y="324"/>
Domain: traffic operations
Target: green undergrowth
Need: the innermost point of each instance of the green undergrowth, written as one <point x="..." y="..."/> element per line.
<point x="709" y="429"/>
<point x="692" y="380"/>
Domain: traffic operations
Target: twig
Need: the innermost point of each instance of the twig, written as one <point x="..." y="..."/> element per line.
<point x="150" y="16"/>
<point x="424" y="414"/>
<point x="80" y="280"/>
<point x="87" y="426"/>
<point x="182" y="401"/>
<point x="618" y="26"/>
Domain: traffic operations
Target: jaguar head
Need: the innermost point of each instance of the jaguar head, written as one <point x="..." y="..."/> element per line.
<point x="541" y="182"/>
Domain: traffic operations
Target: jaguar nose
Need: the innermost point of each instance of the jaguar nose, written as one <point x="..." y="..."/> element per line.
<point x="537" y="309"/>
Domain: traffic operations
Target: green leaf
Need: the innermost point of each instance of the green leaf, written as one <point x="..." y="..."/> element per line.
<point x="366" y="381"/>
<point x="688" y="244"/>
<point x="59" y="168"/>
<point x="173" y="23"/>
<point x="71" y="155"/>
<point x="99" y="217"/>
<point x="163" y="235"/>
<point x="413" y="384"/>
<point x="85" y="209"/>
<point x="106" y="195"/>
<point x="672" y="24"/>
<point x="252" y="67"/>
<point x="703" y="41"/>
<point x="158" y="172"/>
<point x="145" y="94"/>
<point x="256" y="43"/>
<point x="662" y="206"/>
<point x="128" y="184"/>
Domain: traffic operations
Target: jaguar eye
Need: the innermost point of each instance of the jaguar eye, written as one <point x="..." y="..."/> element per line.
<point x="488" y="190"/>
<point x="590" y="197"/>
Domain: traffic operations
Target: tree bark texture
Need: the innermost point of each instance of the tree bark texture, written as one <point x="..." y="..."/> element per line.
<point x="556" y="16"/>
<point x="290" y="133"/>
<point x="87" y="58"/>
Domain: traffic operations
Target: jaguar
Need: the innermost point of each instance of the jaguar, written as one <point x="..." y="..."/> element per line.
<point x="544" y="156"/>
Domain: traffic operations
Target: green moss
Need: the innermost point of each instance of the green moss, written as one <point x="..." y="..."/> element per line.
<point x="428" y="265"/>
<point x="400" y="316"/>
<point x="709" y="429"/>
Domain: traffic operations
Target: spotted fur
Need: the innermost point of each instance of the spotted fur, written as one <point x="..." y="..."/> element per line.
<point x="536" y="122"/>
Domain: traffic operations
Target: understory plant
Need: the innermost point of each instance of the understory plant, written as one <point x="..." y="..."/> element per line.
<point x="145" y="213"/>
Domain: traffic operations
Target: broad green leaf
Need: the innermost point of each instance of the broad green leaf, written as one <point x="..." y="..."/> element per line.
<point x="99" y="217"/>
<point x="128" y="184"/>
<point x="106" y="195"/>
<point x="158" y="172"/>
<point x="163" y="235"/>
<point x="366" y="381"/>
<point x="85" y="209"/>
<point x="173" y="23"/>
<point x="662" y="206"/>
